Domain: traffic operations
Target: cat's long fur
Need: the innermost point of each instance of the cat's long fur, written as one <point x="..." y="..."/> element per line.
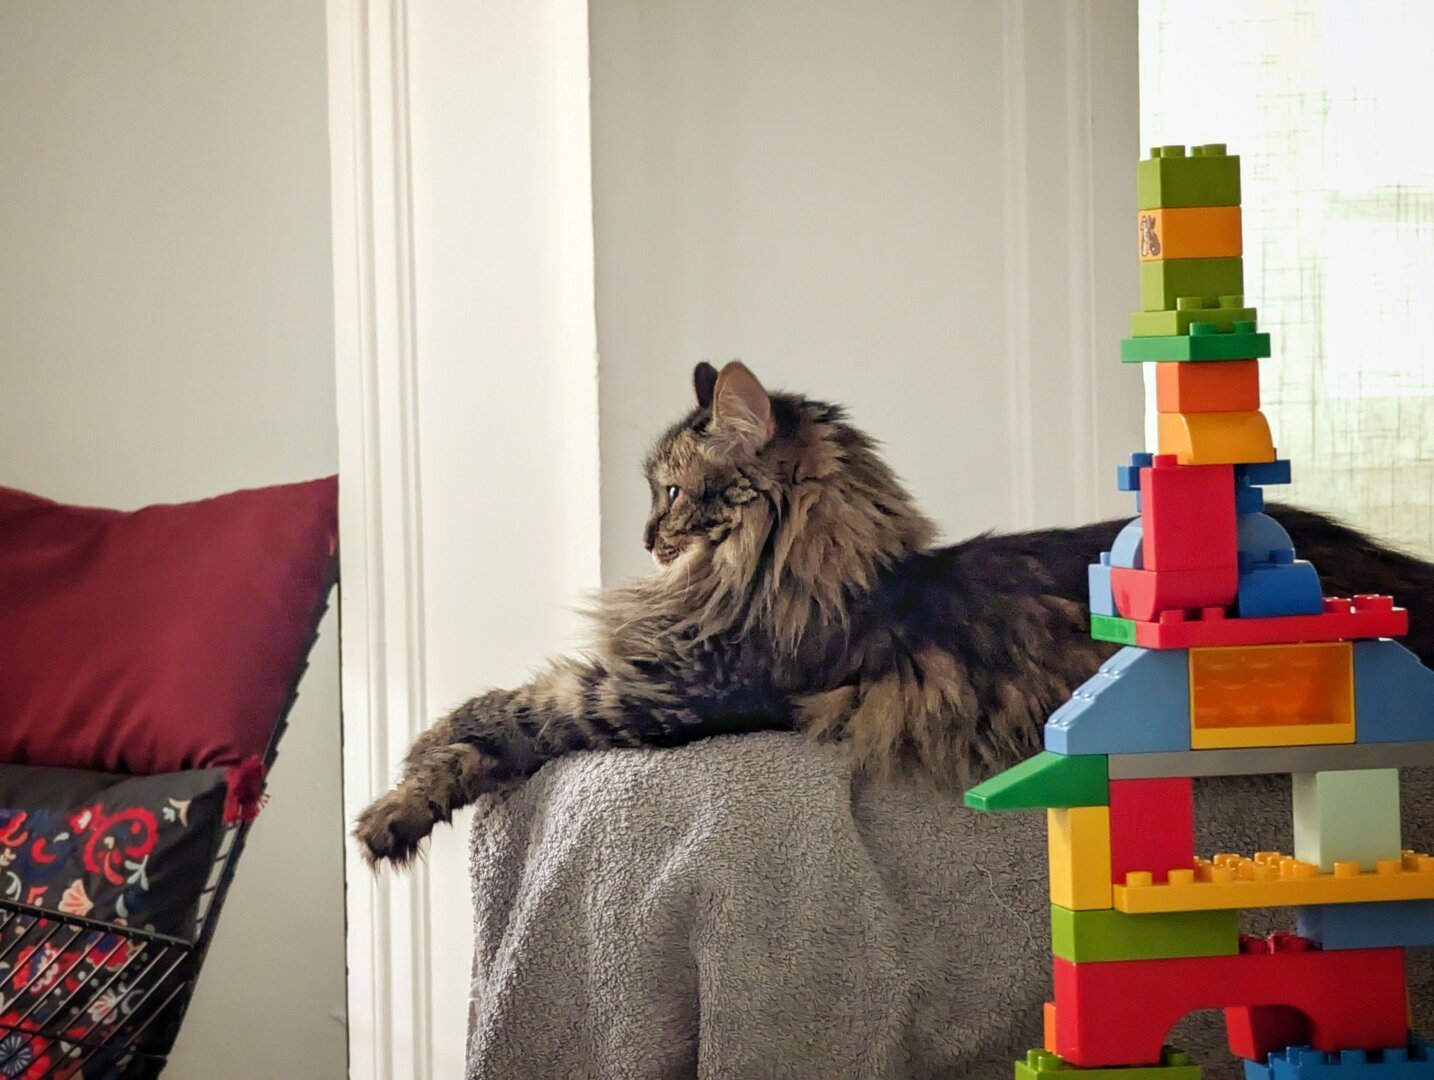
<point x="798" y="588"/>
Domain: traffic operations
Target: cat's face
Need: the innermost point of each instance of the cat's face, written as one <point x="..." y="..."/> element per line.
<point x="700" y="470"/>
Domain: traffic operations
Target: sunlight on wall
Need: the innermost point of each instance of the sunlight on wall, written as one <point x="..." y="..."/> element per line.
<point x="1326" y="102"/>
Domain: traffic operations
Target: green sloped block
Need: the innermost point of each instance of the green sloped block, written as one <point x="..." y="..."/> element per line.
<point x="1242" y="344"/>
<point x="1042" y="1065"/>
<point x="1163" y="282"/>
<point x="1084" y="936"/>
<point x="1207" y="177"/>
<point x="1046" y="780"/>
<point x="1112" y="628"/>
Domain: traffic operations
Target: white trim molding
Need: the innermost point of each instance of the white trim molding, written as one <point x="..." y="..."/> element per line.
<point x="464" y="291"/>
<point x="382" y="653"/>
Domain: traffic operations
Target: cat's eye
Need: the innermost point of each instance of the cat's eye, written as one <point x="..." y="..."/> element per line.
<point x="672" y="492"/>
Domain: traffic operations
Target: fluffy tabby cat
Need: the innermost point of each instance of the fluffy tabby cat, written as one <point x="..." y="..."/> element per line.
<point x="798" y="588"/>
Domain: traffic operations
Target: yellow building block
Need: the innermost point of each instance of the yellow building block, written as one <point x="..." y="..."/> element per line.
<point x="1078" y="839"/>
<point x="1272" y="695"/>
<point x="1189" y="232"/>
<point x="1228" y="438"/>
<point x="1271" y="879"/>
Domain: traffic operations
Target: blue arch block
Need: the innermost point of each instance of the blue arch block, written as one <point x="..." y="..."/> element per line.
<point x="1128" y="551"/>
<point x="1257" y="535"/>
<point x="1393" y="694"/>
<point x="1137" y="703"/>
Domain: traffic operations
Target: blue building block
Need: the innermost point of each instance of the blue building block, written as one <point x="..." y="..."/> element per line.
<point x="1127" y="477"/>
<point x="1285" y="586"/>
<point x="1393" y="694"/>
<point x="1129" y="548"/>
<point x="1306" y="1063"/>
<point x="1137" y="703"/>
<point x="1385" y="925"/>
<point x="1248" y="500"/>
<point x="1102" y="596"/>
<point x="1257" y="535"/>
<point x="1260" y="473"/>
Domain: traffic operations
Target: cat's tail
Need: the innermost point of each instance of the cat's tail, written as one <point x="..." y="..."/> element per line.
<point x="1350" y="562"/>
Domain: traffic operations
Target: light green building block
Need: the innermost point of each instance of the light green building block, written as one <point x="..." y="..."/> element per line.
<point x="1347" y="816"/>
<point x="1041" y="1065"/>
<point x="1207" y="176"/>
<point x="1164" y="282"/>
<point x="1189" y="311"/>
<point x="1084" y="936"/>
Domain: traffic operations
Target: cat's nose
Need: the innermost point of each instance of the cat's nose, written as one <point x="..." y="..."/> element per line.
<point x="649" y="538"/>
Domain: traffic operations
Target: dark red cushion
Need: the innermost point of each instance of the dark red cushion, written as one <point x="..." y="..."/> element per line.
<point x="164" y="639"/>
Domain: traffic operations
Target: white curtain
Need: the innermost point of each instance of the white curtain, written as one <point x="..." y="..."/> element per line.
<point x="1328" y="106"/>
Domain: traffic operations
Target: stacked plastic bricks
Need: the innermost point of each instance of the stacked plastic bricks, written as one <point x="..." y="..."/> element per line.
<point x="1234" y="663"/>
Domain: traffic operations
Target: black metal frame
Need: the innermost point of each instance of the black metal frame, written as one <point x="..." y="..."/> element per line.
<point x="131" y="987"/>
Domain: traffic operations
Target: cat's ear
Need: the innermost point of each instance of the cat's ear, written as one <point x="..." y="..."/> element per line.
<point x="741" y="409"/>
<point x="704" y="380"/>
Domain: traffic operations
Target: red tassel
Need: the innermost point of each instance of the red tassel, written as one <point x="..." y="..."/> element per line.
<point x="245" y="797"/>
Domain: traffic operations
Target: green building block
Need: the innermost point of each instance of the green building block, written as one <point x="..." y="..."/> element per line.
<point x="1112" y="628"/>
<point x="1188" y="312"/>
<point x="1041" y="1065"/>
<point x="1203" y="342"/>
<point x="1207" y="177"/>
<point x="1046" y="780"/>
<point x="1112" y="935"/>
<point x="1163" y="282"/>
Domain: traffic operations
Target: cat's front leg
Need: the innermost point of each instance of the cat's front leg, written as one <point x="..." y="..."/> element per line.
<point x="476" y="750"/>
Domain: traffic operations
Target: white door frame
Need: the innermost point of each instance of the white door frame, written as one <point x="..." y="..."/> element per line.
<point x="402" y="1023"/>
<point x="379" y="517"/>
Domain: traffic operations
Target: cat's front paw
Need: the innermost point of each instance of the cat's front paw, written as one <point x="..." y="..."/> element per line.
<point x="395" y="825"/>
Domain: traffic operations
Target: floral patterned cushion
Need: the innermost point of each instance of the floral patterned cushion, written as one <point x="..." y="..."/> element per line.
<point x="125" y="851"/>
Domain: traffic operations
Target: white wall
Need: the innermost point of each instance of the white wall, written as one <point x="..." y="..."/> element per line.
<point x="922" y="210"/>
<point x="166" y="334"/>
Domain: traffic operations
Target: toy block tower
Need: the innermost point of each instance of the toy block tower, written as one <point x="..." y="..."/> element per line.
<point x="1234" y="663"/>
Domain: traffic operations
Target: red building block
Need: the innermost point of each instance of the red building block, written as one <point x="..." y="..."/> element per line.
<point x="1343" y="620"/>
<point x="1144" y="595"/>
<point x="1119" y="1012"/>
<point x="1188" y="516"/>
<point x="1152" y="826"/>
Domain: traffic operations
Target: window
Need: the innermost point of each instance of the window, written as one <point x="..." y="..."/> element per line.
<point x="1327" y="104"/>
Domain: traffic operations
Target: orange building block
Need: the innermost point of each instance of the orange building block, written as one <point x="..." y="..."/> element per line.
<point x="1272" y="695"/>
<point x="1223" y="438"/>
<point x="1049" y="1025"/>
<point x="1214" y="387"/>
<point x="1190" y="232"/>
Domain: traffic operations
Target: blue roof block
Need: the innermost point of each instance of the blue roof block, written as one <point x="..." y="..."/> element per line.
<point x="1393" y="694"/>
<point x="1137" y="703"/>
